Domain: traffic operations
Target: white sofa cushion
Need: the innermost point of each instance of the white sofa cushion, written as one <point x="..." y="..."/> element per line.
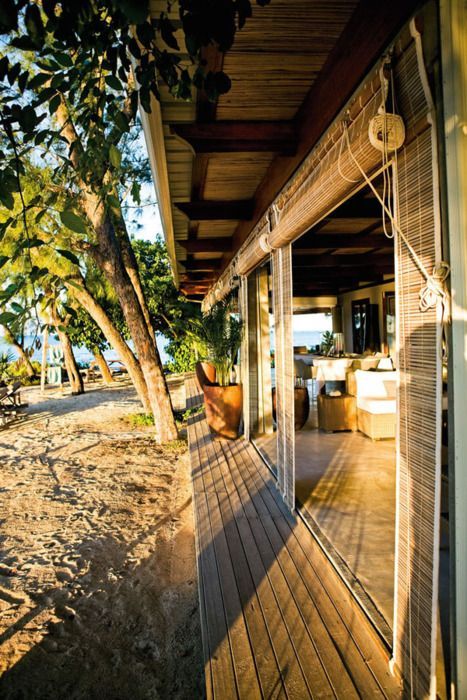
<point x="376" y="385"/>
<point x="386" y="364"/>
<point x="378" y="406"/>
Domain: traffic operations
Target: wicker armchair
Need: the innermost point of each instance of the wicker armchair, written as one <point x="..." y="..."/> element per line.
<point x="376" y="403"/>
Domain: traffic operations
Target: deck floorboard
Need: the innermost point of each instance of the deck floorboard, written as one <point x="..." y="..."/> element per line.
<point x="276" y="620"/>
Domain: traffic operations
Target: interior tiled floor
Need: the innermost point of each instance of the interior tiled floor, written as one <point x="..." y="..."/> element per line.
<point x="346" y="482"/>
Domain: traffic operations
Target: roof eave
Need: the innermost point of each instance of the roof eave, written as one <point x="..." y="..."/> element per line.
<point x="154" y="136"/>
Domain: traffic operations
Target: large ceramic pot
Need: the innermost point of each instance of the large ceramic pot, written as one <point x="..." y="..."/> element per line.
<point x="223" y="406"/>
<point x="205" y="373"/>
<point x="301" y="406"/>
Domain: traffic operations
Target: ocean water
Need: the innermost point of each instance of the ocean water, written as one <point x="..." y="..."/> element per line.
<point x="308" y="338"/>
<point x="82" y="354"/>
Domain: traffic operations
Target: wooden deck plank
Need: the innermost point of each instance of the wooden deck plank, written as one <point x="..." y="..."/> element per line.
<point x="288" y="629"/>
<point x="220" y="653"/>
<point x="329" y="655"/>
<point x="291" y="670"/>
<point x="269" y="598"/>
<point x="276" y="670"/>
<point x="263" y="530"/>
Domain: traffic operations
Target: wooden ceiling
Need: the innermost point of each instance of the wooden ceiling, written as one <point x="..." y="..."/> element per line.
<point x="293" y="66"/>
<point x="344" y="251"/>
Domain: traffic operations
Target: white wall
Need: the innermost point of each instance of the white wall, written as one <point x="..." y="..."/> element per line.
<point x="375" y="295"/>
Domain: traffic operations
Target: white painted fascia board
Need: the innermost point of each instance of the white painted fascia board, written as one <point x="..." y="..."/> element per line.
<point x="154" y="136"/>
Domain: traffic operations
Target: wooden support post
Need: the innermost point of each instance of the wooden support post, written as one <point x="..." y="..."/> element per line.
<point x="453" y="14"/>
<point x="264" y="351"/>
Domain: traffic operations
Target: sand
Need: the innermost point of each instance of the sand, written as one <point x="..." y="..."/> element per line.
<point x="98" y="590"/>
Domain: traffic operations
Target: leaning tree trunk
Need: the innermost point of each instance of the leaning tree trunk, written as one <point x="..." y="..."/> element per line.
<point x="145" y="346"/>
<point x="74" y="375"/>
<point x="108" y="257"/>
<point x="23" y="355"/>
<point x="114" y="337"/>
<point x="103" y="367"/>
<point x="131" y="266"/>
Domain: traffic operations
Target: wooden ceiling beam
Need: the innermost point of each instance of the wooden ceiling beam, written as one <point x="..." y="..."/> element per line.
<point x="207" y="245"/>
<point x="334" y="277"/>
<point x="214" y="210"/>
<point x="357" y="208"/>
<point x="342" y="261"/>
<point x="201" y="265"/>
<point x="238" y="137"/>
<point x="307" y="244"/>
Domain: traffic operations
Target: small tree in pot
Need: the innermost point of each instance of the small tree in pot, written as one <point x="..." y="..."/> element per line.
<point x="217" y="337"/>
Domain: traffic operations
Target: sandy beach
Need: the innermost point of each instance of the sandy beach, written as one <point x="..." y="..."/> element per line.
<point x="98" y="590"/>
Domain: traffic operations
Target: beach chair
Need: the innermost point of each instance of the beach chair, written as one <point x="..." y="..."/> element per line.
<point x="10" y="402"/>
<point x="11" y="396"/>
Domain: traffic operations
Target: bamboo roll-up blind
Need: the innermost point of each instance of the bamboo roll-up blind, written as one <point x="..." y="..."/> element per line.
<point x="244" y="356"/>
<point x="255" y="252"/>
<point x="251" y="332"/>
<point x="419" y="406"/>
<point x="327" y="177"/>
<point x="285" y="412"/>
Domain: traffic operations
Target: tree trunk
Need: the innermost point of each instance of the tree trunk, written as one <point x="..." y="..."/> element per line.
<point x="45" y="343"/>
<point x="74" y="375"/>
<point x="131" y="266"/>
<point x="109" y="259"/>
<point x="114" y="337"/>
<point x="108" y="256"/>
<point x="104" y="367"/>
<point x="23" y="355"/>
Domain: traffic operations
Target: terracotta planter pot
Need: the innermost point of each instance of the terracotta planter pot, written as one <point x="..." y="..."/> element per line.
<point x="223" y="408"/>
<point x="205" y="373"/>
<point x="301" y="408"/>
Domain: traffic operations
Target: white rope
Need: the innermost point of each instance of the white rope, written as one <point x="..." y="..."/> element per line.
<point x="435" y="287"/>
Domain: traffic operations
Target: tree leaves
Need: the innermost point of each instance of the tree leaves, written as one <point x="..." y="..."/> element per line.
<point x="7" y="317"/>
<point x="54" y="103"/>
<point x="8" y="16"/>
<point x="115" y="156"/>
<point x="113" y="82"/>
<point x="69" y="256"/>
<point x="34" y="25"/>
<point x="73" y="222"/>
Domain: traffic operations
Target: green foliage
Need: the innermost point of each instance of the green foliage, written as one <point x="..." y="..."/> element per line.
<point x="6" y="360"/>
<point x="327" y="342"/>
<point x="137" y="420"/>
<point x="83" y="331"/>
<point x="170" y="312"/>
<point x="83" y="54"/>
<point x="17" y="370"/>
<point x="217" y="336"/>
<point x="183" y="356"/>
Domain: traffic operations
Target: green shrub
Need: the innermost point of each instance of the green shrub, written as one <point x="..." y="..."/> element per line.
<point x="137" y="420"/>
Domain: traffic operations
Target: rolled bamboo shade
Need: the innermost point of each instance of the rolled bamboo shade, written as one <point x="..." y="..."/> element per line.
<point x="244" y="356"/>
<point x="285" y="394"/>
<point x="419" y="407"/>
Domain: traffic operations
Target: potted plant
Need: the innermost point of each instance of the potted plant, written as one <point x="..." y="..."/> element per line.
<point x="217" y="336"/>
<point x="327" y="342"/>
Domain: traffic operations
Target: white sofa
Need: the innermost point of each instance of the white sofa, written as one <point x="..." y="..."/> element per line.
<point x="376" y="403"/>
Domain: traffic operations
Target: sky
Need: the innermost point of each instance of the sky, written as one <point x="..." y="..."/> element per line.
<point x="149" y="224"/>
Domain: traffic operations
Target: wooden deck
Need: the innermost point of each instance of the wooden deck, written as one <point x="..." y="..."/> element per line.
<point x="276" y="620"/>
